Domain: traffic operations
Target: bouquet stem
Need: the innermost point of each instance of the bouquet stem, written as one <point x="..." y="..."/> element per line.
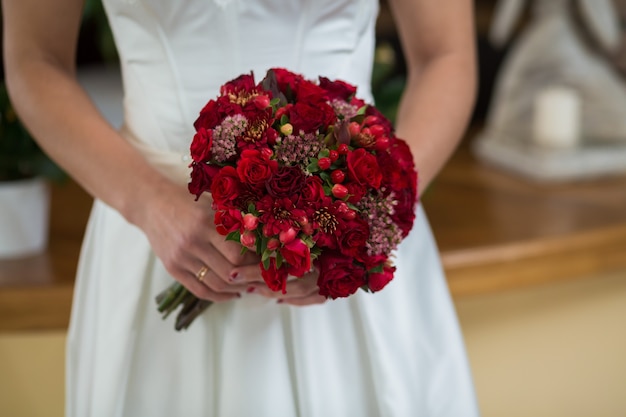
<point x="176" y="295"/>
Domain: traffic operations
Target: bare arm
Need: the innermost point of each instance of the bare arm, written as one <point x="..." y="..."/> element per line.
<point x="438" y="42"/>
<point x="40" y="39"/>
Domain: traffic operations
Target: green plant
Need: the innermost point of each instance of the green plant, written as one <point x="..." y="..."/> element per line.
<point x="20" y="156"/>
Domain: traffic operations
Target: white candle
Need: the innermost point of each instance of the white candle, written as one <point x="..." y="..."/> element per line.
<point x="556" y="118"/>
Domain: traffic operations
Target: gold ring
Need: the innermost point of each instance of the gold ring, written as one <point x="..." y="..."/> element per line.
<point x="201" y="273"/>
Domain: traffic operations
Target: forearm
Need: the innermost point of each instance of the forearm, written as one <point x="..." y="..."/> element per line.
<point x="71" y="130"/>
<point x="435" y="109"/>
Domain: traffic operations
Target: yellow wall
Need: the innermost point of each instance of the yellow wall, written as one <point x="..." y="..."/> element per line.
<point x="556" y="350"/>
<point x="31" y="374"/>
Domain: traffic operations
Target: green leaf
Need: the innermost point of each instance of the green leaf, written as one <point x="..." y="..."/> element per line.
<point x="313" y="167"/>
<point x="279" y="260"/>
<point x="234" y="236"/>
<point x="266" y="264"/>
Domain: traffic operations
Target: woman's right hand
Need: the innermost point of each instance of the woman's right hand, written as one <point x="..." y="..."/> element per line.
<point x="183" y="235"/>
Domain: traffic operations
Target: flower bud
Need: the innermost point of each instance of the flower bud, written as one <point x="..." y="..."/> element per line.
<point x="248" y="239"/>
<point x="286" y="129"/>
<point x="250" y="221"/>
<point x="382" y="143"/>
<point x="273" y="244"/>
<point x="343" y="149"/>
<point x="324" y="163"/>
<point x="287" y="236"/>
<point x="337" y="176"/>
<point x="261" y="102"/>
<point x="333" y="155"/>
<point x="339" y="191"/>
<point x="354" y="128"/>
<point x="377" y="130"/>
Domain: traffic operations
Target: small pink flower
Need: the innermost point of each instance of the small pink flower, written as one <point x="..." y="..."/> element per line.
<point x="250" y="221"/>
<point x="248" y="239"/>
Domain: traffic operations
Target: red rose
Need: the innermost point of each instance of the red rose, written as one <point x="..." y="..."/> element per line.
<point x="286" y="181"/>
<point x="339" y="276"/>
<point x="226" y="187"/>
<point x="310" y="118"/>
<point x="227" y="221"/>
<point x="275" y="279"/>
<point x="378" y="280"/>
<point x="254" y="168"/>
<point x="356" y="192"/>
<point x="353" y="238"/>
<point x="363" y="168"/>
<point x="201" y="178"/>
<point x="201" y="145"/>
<point x="312" y="189"/>
<point x="298" y="257"/>
<point x="337" y="89"/>
<point x="287" y="80"/>
<point x="308" y="92"/>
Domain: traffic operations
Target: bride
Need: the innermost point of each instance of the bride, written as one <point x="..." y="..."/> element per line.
<point x="398" y="352"/>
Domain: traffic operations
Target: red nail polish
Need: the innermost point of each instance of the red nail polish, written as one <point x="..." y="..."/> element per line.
<point x="279" y="301"/>
<point x="234" y="275"/>
<point x="250" y="289"/>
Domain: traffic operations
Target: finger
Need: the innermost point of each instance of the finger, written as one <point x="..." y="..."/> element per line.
<point x="218" y="285"/>
<point x="247" y="274"/>
<point x="200" y="290"/>
<point x="295" y="288"/>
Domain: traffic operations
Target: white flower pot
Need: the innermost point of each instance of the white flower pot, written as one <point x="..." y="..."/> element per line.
<point x="24" y="215"/>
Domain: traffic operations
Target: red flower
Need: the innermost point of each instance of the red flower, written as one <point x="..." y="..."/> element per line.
<point x="312" y="190"/>
<point x="337" y="89"/>
<point x="242" y="84"/>
<point x="308" y="92"/>
<point x="255" y="169"/>
<point x="201" y="178"/>
<point x="286" y="181"/>
<point x="275" y="278"/>
<point x="378" y="280"/>
<point x="287" y="80"/>
<point x="226" y="187"/>
<point x="353" y="238"/>
<point x="363" y="168"/>
<point x="227" y="221"/>
<point x="278" y="214"/>
<point x="310" y="118"/>
<point x="339" y="275"/>
<point x="298" y="257"/>
<point x="201" y="145"/>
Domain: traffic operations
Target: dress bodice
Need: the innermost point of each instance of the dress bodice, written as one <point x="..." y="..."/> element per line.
<point x="175" y="54"/>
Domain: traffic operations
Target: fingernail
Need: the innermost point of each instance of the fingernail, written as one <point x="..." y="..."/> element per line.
<point x="250" y="289"/>
<point x="279" y="301"/>
<point x="238" y="295"/>
<point x="234" y="275"/>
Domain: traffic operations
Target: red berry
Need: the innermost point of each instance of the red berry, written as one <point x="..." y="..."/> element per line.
<point x="333" y="155"/>
<point x="343" y="149"/>
<point x="324" y="163"/>
<point x="337" y="176"/>
<point x="339" y="191"/>
<point x="377" y="130"/>
<point x="354" y="128"/>
<point x="382" y="143"/>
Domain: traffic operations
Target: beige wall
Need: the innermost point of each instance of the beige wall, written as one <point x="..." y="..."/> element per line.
<point x="556" y="350"/>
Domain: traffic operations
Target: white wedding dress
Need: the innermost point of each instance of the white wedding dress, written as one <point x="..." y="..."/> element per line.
<point x="395" y="353"/>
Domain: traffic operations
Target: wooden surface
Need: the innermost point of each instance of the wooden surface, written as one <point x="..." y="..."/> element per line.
<point x="495" y="232"/>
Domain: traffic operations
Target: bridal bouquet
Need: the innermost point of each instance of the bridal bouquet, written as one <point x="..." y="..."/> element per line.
<point x="305" y="174"/>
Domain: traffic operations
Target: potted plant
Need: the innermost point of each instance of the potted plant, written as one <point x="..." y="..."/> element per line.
<point x="24" y="192"/>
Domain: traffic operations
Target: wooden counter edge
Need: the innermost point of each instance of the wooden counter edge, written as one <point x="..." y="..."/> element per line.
<point x="533" y="262"/>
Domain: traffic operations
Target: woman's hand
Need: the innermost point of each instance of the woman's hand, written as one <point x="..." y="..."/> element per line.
<point x="182" y="234"/>
<point x="298" y="292"/>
